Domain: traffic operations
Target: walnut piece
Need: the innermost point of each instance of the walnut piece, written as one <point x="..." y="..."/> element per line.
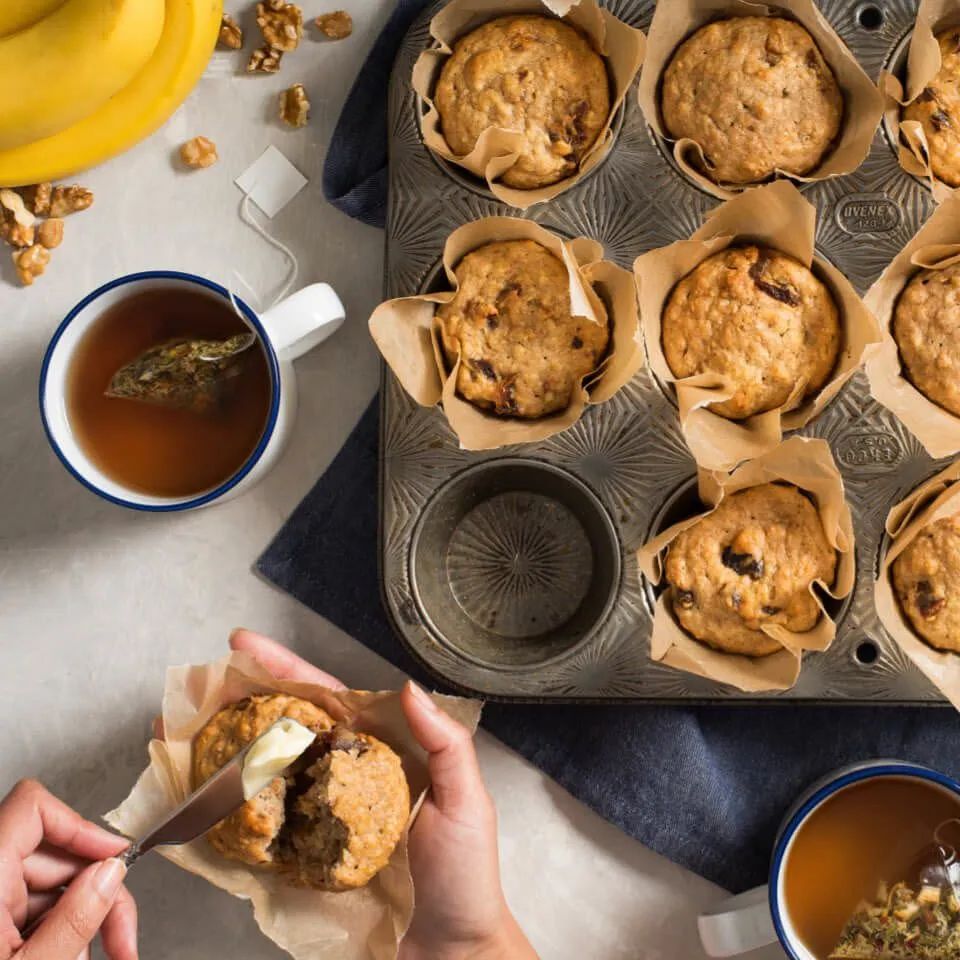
<point x="265" y="60"/>
<point x="231" y="36"/>
<point x="37" y="198"/>
<point x="66" y="200"/>
<point x="280" y="23"/>
<point x="335" y="26"/>
<point x="15" y="233"/>
<point x="16" y="221"/>
<point x="50" y="233"/>
<point x="294" y="106"/>
<point x="199" y="152"/>
<point x="30" y="263"/>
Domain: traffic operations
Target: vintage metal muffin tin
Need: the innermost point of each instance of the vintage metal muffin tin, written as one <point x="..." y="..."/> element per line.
<point x="512" y="573"/>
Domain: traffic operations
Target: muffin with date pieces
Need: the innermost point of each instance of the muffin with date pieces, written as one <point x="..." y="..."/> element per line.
<point x="750" y="563"/>
<point x="521" y="352"/>
<point x="937" y="110"/>
<point x="926" y="581"/>
<point x="757" y="96"/>
<point x="532" y="75"/>
<point x="757" y="318"/>
<point x="926" y="328"/>
<point x="332" y="821"/>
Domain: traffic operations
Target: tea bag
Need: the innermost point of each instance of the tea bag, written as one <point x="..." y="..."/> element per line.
<point x="916" y="917"/>
<point x="186" y="374"/>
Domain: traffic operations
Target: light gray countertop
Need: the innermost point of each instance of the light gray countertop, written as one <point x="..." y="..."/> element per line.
<point x="96" y="601"/>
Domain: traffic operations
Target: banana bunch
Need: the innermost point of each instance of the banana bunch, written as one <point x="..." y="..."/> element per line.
<point x="83" y="80"/>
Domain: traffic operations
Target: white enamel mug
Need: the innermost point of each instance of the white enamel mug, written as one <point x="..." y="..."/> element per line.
<point x="291" y="328"/>
<point x="760" y="917"/>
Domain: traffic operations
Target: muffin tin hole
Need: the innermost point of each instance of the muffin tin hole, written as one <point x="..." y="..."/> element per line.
<point x="685" y="502"/>
<point x="867" y="653"/>
<point x="870" y="17"/>
<point x="514" y="563"/>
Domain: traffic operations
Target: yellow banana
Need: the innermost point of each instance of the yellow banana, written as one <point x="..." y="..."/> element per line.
<point x="70" y="63"/>
<point x="189" y="33"/>
<point x="17" y="14"/>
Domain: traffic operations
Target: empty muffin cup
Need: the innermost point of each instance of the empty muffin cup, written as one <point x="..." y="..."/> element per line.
<point x="513" y="563"/>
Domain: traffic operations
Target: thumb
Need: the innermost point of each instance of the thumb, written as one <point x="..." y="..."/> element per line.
<point x="457" y="787"/>
<point x="69" y="927"/>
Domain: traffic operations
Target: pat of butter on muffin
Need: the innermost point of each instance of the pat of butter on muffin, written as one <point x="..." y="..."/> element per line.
<point x="272" y="753"/>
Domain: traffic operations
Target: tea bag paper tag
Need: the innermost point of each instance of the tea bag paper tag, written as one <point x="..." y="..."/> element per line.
<point x="271" y="181"/>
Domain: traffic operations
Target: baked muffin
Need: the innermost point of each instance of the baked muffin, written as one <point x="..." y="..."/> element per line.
<point x="522" y="353"/>
<point x="937" y="109"/>
<point x="533" y="75"/>
<point x="332" y="821"/>
<point x="926" y="327"/>
<point x="758" y="318"/>
<point x="344" y="827"/>
<point x="757" y="96"/>
<point x="749" y="563"/>
<point x="926" y="580"/>
<point x="248" y="834"/>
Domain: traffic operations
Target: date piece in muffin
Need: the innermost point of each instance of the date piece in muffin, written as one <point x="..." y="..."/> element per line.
<point x="760" y="319"/>
<point x="522" y="353"/>
<point x="926" y="327"/>
<point x="344" y="828"/>
<point x="926" y="580"/>
<point x="751" y="562"/>
<point x="529" y="74"/>
<point x="332" y="821"/>
<point x="937" y="109"/>
<point x="757" y="96"/>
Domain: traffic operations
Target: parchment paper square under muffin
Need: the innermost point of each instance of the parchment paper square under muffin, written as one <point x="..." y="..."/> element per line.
<point x="915" y="368"/>
<point x="522" y="93"/>
<point x="746" y="91"/>
<point x="221" y="703"/>
<point x="755" y="333"/>
<point x="922" y="111"/>
<point x="917" y="591"/>
<point x="739" y="604"/>
<point x="532" y="329"/>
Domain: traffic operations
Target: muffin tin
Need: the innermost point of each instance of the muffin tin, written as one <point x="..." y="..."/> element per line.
<point x="512" y="573"/>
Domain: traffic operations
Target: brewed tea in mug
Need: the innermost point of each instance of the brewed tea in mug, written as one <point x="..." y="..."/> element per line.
<point x="865" y="835"/>
<point x="153" y="448"/>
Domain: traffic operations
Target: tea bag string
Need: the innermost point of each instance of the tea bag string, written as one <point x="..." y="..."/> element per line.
<point x="246" y="214"/>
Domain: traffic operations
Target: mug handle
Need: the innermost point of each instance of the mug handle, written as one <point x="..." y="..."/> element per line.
<point x="303" y="320"/>
<point x="738" y="925"/>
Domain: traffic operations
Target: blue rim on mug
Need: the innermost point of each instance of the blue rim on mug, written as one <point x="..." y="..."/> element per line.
<point x="884" y="768"/>
<point x="268" y="429"/>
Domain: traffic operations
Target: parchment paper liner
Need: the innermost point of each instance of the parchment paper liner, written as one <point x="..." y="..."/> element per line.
<point x="676" y="20"/>
<point x="775" y="215"/>
<point x="934" y="500"/>
<point x="309" y="924"/>
<point x="935" y="245"/>
<point x="923" y="64"/>
<point x="810" y="466"/>
<point x="404" y="330"/>
<point x="496" y="149"/>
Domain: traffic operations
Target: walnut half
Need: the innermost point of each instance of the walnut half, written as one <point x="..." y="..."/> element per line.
<point x="30" y="263"/>
<point x="50" y="233"/>
<point x="231" y="36"/>
<point x="294" y="106"/>
<point x="199" y="152"/>
<point x="265" y="60"/>
<point x="280" y="23"/>
<point x="66" y="200"/>
<point x="335" y="26"/>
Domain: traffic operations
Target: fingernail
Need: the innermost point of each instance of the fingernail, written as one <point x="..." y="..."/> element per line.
<point x="422" y="697"/>
<point x="108" y="877"/>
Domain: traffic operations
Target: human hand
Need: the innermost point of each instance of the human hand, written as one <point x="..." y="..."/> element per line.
<point x="461" y="912"/>
<point x="45" y="845"/>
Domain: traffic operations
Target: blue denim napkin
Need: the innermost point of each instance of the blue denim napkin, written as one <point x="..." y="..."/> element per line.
<point x="355" y="171"/>
<point x="705" y="786"/>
